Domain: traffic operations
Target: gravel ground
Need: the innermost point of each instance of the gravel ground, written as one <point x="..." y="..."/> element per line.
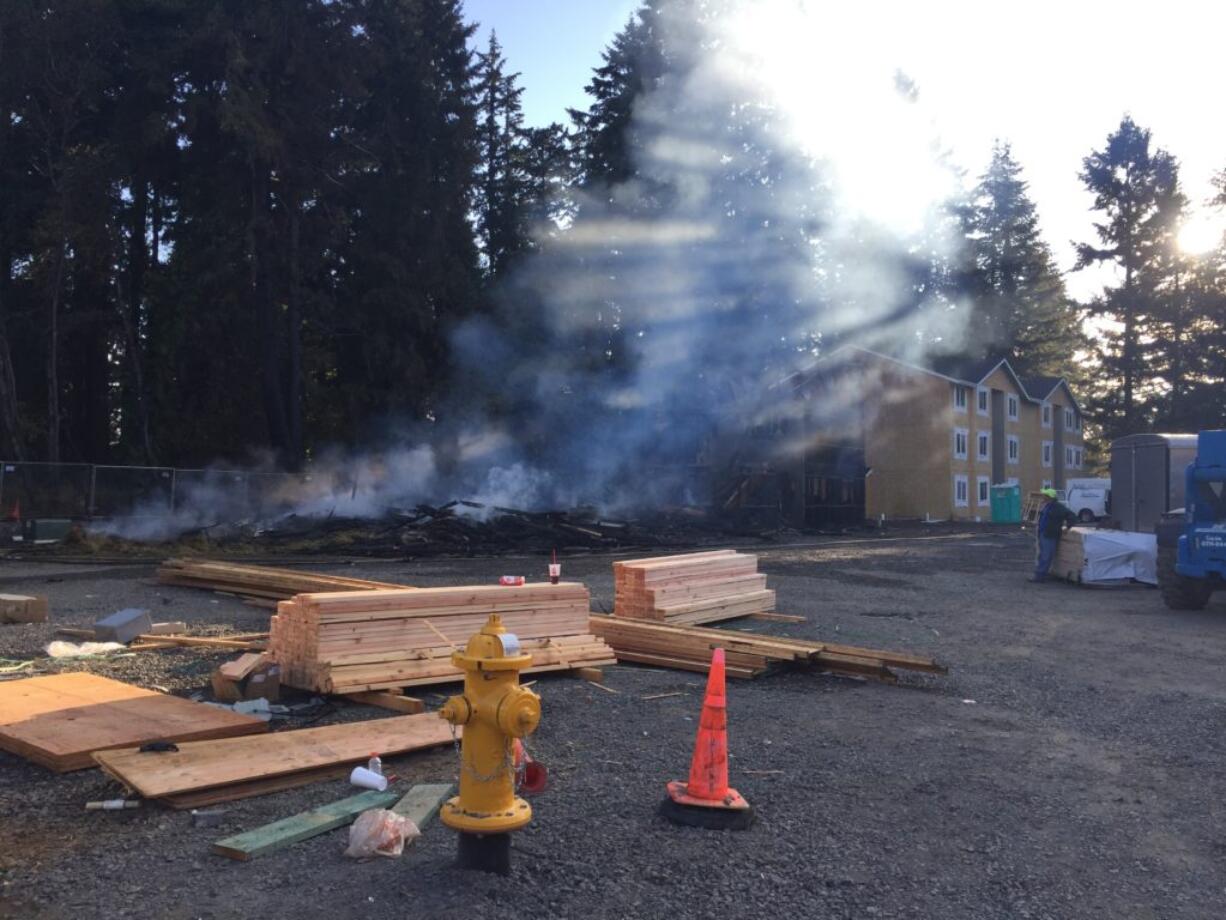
<point x="1070" y="766"/>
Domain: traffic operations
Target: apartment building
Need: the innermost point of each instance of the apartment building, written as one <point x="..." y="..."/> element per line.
<point x="871" y="434"/>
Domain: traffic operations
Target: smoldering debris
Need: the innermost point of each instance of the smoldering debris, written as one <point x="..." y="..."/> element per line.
<point x="467" y="528"/>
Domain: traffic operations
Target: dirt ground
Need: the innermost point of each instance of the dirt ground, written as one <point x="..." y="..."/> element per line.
<point x="1070" y="765"/>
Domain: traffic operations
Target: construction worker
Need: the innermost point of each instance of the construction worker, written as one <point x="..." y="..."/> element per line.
<point x="1052" y="520"/>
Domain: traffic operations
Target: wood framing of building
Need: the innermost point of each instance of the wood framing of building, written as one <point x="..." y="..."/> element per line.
<point x="864" y="434"/>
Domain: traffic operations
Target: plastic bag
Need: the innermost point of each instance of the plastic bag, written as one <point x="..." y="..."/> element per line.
<point x="379" y="832"/>
<point x="62" y="649"/>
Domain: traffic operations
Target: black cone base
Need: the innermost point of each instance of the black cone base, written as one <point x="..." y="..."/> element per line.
<point x="485" y="852"/>
<point x="715" y="819"/>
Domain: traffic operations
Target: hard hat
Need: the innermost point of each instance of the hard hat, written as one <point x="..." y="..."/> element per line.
<point x="1050" y="493"/>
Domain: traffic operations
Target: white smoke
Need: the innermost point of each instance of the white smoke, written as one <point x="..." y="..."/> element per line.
<point x="785" y="195"/>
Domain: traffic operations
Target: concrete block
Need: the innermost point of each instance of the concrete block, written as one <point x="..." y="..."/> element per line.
<point x="20" y="608"/>
<point x="123" y="626"/>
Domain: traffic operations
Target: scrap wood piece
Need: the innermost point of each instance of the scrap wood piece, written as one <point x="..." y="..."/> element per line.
<point x="60" y="720"/>
<point x="258" y="582"/>
<point x="210" y="764"/>
<point x="422" y="802"/>
<point x="778" y="617"/>
<point x="22" y="608"/>
<point x="241" y="666"/>
<point x="689" y="648"/>
<point x="300" y="827"/>
<point x="386" y="699"/>
<point x="204" y="642"/>
<point x="206" y="798"/>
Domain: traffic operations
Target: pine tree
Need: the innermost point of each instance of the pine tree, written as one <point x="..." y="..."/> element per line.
<point x="1020" y="302"/>
<point x="520" y="170"/>
<point x="1136" y="190"/>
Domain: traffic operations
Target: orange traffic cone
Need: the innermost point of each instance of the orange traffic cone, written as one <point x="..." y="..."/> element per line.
<point x="707" y="800"/>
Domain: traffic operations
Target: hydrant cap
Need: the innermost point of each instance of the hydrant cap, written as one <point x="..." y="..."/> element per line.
<point x="492" y="649"/>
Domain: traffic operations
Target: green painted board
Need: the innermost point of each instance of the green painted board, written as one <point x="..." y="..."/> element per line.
<point x="301" y="827"/>
<point x="421" y="803"/>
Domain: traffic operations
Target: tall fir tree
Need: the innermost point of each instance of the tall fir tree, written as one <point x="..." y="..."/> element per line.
<point x="521" y="171"/>
<point x="1020" y="303"/>
<point x="1136" y="192"/>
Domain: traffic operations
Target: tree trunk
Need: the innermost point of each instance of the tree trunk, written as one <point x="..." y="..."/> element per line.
<point x="294" y="448"/>
<point x="10" y="436"/>
<point x="53" y="359"/>
<point x="266" y="310"/>
<point x="133" y="318"/>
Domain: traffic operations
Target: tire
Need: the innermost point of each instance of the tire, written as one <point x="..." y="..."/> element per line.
<point x="1086" y="516"/>
<point x="1179" y="592"/>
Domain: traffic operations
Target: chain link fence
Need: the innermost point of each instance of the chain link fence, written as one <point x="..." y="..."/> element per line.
<point x="83" y="491"/>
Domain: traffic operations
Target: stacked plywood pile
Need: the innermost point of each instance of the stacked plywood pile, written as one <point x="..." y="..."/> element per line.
<point x="747" y="654"/>
<point x="258" y="581"/>
<point x="352" y="642"/>
<point x="693" y="588"/>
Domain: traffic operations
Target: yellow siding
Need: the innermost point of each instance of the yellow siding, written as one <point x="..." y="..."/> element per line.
<point x="909" y="423"/>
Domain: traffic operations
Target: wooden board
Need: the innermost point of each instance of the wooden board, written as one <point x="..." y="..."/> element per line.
<point x="60" y="720"/>
<point x="421" y="803"/>
<point x="300" y="827"/>
<point x="384" y="699"/>
<point x="209" y="764"/>
<point x="207" y="798"/>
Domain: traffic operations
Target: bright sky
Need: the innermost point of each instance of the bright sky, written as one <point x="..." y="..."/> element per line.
<point x="1051" y="76"/>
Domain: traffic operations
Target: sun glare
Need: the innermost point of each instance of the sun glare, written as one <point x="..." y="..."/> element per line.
<point x="1201" y="233"/>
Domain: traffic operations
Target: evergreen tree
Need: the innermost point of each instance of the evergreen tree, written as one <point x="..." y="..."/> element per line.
<point x="1136" y="190"/>
<point x="1020" y="304"/>
<point x="520" y="170"/>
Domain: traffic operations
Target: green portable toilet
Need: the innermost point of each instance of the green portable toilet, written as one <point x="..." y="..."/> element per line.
<point x="1007" y="503"/>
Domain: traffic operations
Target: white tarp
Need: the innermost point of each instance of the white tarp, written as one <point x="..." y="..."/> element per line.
<point x="1112" y="555"/>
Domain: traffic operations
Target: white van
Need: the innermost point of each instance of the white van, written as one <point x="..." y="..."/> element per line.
<point x="1087" y="498"/>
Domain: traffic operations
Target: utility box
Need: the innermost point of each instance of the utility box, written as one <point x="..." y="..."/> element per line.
<point x="1147" y="477"/>
<point x="1007" y="503"/>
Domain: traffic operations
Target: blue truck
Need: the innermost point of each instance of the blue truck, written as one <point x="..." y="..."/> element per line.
<point x="1192" y="541"/>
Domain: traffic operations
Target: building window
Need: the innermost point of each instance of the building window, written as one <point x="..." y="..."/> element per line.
<point x="1068" y="419"/>
<point x="1046" y="415"/>
<point x="961" y="491"/>
<point x="1015" y="448"/>
<point x="1047" y="450"/>
<point x="1076" y="458"/>
<point x="961" y="439"/>
<point x="960" y="398"/>
<point x="983" y="446"/>
<point x="1013" y="407"/>
<point x="984" y="495"/>
<point x="982" y="405"/>
<point x="1068" y="456"/>
<point x="1046" y="483"/>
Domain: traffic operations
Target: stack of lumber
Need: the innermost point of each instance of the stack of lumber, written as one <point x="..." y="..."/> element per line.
<point x="688" y="648"/>
<point x="258" y="582"/>
<point x="373" y="640"/>
<point x="693" y="588"/>
<point x="61" y="720"/>
<point x="1070" y="555"/>
<point x="205" y="773"/>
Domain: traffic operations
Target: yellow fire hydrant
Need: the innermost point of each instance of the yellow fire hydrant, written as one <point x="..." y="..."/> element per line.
<point x="494" y="711"/>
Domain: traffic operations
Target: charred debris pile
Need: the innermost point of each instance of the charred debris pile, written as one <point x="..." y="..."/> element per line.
<point x="466" y="528"/>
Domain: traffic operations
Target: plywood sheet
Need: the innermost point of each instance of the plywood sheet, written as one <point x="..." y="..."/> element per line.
<point x="60" y="720"/>
<point x="210" y="764"/>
